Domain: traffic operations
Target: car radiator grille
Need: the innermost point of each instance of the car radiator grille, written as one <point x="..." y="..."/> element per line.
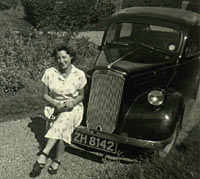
<point x="104" y="100"/>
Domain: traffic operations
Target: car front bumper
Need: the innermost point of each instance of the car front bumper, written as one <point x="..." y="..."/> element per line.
<point x="120" y="139"/>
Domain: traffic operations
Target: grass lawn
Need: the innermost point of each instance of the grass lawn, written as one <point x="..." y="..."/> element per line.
<point x="20" y="106"/>
<point x="28" y="102"/>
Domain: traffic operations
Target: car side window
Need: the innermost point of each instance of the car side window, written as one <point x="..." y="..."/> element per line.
<point x="192" y="45"/>
<point x="119" y="32"/>
<point x="126" y="30"/>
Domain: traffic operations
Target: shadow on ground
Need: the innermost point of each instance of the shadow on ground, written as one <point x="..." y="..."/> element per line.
<point x="37" y="126"/>
<point x="84" y="154"/>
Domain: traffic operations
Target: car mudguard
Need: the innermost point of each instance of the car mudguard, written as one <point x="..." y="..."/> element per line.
<point x="144" y="121"/>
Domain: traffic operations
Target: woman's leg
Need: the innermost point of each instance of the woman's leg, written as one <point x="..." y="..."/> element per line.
<point x="47" y="149"/>
<point x="41" y="160"/>
<point x="59" y="153"/>
<point x="60" y="150"/>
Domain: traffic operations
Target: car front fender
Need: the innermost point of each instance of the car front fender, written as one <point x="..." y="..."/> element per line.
<point x="143" y="121"/>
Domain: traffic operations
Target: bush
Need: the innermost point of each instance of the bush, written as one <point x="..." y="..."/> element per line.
<point x="86" y="53"/>
<point x="105" y="8"/>
<point x="25" y="55"/>
<point x="10" y="82"/>
<point x="7" y="4"/>
<point x="60" y="15"/>
<point x="158" y="3"/>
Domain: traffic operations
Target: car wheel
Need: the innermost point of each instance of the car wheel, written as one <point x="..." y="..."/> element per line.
<point x="164" y="151"/>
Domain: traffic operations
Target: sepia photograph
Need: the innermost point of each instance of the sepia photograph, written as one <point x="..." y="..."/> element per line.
<point x="100" y="89"/>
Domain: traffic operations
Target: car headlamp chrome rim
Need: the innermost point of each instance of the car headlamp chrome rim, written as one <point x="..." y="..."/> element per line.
<point x="156" y="97"/>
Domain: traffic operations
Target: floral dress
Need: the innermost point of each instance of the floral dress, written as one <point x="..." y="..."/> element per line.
<point x="64" y="89"/>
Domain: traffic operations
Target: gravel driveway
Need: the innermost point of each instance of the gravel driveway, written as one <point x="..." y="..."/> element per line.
<point x="20" y="142"/>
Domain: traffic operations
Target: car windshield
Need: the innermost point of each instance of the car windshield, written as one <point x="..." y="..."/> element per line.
<point x="154" y="37"/>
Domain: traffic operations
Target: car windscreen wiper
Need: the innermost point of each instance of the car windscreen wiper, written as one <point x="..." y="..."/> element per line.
<point x="121" y="58"/>
<point x="157" y="49"/>
<point x="117" y="43"/>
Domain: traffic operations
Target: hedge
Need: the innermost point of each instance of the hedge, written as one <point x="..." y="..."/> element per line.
<point x="7" y="4"/>
<point x="60" y="15"/>
<point x="66" y="14"/>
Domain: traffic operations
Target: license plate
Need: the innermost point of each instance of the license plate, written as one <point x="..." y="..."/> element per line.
<point x="94" y="142"/>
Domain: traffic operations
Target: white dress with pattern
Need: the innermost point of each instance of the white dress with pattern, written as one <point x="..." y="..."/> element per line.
<point x="64" y="89"/>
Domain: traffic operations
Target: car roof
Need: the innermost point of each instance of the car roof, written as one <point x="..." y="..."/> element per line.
<point x="175" y="15"/>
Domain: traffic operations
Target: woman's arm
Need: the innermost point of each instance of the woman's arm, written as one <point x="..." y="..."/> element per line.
<point x="67" y="105"/>
<point x="75" y="101"/>
<point x="49" y="99"/>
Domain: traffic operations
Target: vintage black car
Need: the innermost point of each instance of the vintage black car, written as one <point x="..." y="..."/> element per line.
<point x="146" y="71"/>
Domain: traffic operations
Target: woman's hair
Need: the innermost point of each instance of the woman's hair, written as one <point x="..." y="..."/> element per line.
<point x="66" y="48"/>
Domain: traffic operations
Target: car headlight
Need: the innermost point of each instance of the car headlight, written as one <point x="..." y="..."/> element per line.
<point x="156" y="97"/>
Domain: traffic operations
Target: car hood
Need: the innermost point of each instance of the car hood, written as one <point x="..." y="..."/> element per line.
<point x="125" y="60"/>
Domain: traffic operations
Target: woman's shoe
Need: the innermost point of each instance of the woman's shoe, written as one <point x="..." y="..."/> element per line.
<point x="51" y="170"/>
<point x="37" y="167"/>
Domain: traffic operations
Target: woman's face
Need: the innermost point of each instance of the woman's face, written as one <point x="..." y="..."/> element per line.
<point x="63" y="59"/>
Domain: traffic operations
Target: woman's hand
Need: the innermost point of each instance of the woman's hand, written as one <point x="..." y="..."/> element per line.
<point x="69" y="104"/>
<point x="59" y="105"/>
<point x="63" y="107"/>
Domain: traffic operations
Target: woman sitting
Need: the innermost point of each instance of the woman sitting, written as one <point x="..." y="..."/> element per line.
<point x="64" y="92"/>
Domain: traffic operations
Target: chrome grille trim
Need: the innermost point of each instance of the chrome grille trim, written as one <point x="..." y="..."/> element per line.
<point x="105" y="100"/>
